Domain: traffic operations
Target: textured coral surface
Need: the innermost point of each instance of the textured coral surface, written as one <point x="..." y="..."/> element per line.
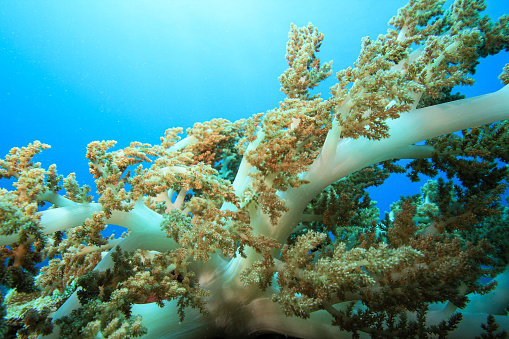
<point x="265" y="225"/>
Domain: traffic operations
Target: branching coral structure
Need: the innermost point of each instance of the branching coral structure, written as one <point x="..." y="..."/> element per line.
<point x="264" y="225"/>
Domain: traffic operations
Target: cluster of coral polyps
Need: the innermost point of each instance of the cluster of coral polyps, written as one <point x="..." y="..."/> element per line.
<point x="266" y="225"/>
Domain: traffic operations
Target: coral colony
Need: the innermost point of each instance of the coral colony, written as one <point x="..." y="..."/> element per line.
<point x="264" y="225"/>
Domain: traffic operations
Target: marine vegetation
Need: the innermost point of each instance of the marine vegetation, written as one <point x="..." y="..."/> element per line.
<point x="265" y="225"/>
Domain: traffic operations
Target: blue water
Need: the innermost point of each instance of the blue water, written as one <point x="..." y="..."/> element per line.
<point x="72" y="72"/>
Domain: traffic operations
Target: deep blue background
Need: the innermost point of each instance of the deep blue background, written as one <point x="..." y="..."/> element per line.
<point x="72" y="72"/>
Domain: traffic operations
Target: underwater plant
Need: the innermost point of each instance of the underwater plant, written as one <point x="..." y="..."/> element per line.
<point x="264" y="225"/>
